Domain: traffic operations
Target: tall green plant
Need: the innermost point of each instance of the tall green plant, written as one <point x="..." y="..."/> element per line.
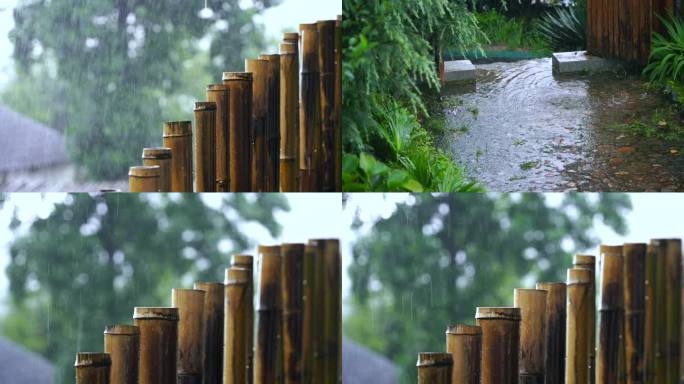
<point x="565" y="28"/>
<point x="667" y="53"/>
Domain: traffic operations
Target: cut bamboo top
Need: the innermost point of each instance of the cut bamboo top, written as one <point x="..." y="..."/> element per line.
<point x="218" y="88"/>
<point x="434" y="359"/>
<point x="291" y="37"/>
<point x="205" y="106"/>
<point x="237" y="76"/>
<point x="629" y="248"/>
<point x="156" y="153"/>
<point x="550" y="285"/>
<point x="610" y="249"/>
<point x="579" y="276"/>
<point x="463" y="329"/>
<point x="584" y="261"/>
<point x="498" y="313"/>
<point x="237" y="276"/>
<point x="156" y="313"/>
<point x="270" y="57"/>
<point x="245" y="261"/>
<point x="122" y="329"/>
<point x="292" y="248"/>
<point x="145" y="171"/>
<point x="207" y="284"/>
<point x="177" y="128"/>
<point x="92" y="359"/>
<point x="308" y="27"/>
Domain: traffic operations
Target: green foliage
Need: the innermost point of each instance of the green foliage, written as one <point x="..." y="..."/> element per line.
<point x="667" y="53"/>
<point x="564" y="28"/>
<point x="514" y="33"/>
<point x="663" y="124"/>
<point x="116" y="60"/>
<point x="94" y="258"/>
<point x="438" y="257"/>
<point x="365" y="173"/>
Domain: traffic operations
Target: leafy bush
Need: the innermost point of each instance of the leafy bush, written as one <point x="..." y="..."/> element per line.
<point x="515" y="33"/>
<point x="565" y="28"/>
<point x="667" y="53"/>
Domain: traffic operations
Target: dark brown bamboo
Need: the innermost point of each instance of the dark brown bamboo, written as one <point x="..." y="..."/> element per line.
<point x="205" y="147"/>
<point x="309" y="110"/>
<point x="92" y="368"/>
<point x="144" y="178"/>
<point x="289" y="118"/>
<point x="650" y="318"/>
<point x="178" y="137"/>
<point x="122" y="342"/>
<point x="464" y="343"/>
<point x="555" y="331"/>
<point x="212" y="368"/>
<point x="500" y="344"/>
<point x="240" y="129"/>
<point x="158" y="343"/>
<point x="658" y="249"/>
<point x="318" y="297"/>
<point x="235" y="330"/>
<point x="190" y="304"/>
<point x="162" y="158"/>
<point x="634" y="273"/>
<point x="247" y="262"/>
<point x="331" y="338"/>
<point x="579" y="300"/>
<point x="308" y="315"/>
<point x="326" y="64"/>
<point x="610" y="315"/>
<point x="272" y="134"/>
<point x="269" y="315"/>
<point x="589" y="262"/>
<point x="434" y="368"/>
<point x="338" y="105"/>
<point x="259" y="69"/>
<point x="532" y="304"/>
<point x="220" y="94"/>
<point x="292" y="297"/>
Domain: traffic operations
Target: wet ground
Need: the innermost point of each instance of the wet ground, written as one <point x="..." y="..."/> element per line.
<point x="522" y="128"/>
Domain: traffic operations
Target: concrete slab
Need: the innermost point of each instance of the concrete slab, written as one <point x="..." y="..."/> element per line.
<point x="580" y="61"/>
<point x="459" y="71"/>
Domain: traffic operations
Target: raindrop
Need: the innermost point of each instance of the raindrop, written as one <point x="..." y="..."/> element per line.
<point x="206" y="12"/>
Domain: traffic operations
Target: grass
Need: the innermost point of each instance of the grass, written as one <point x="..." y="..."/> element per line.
<point x="526" y="166"/>
<point x="663" y="124"/>
<point x="513" y="33"/>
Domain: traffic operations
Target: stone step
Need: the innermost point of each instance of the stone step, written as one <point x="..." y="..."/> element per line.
<point x="581" y="61"/>
<point x="459" y="71"/>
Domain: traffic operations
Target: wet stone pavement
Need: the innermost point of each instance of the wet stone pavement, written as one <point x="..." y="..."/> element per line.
<point x="522" y="128"/>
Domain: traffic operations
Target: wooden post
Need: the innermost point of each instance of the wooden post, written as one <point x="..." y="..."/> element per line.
<point x="611" y="315"/>
<point x="634" y="273"/>
<point x="309" y="111"/>
<point x="292" y="295"/>
<point x="434" y="368"/>
<point x="162" y="158"/>
<point x="92" y="368"/>
<point x="331" y="338"/>
<point x="158" y="343"/>
<point x="308" y="315"/>
<point x="338" y="105"/>
<point x="589" y="262"/>
<point x="272" y="135"/>
<point x="579" y="301"/>
<point x="205" y="147"/>
<point x="555" y="331"/>
<point x="326" y="64"/>
<point x="144" y="178"/>
<point x="235" y="331"/>
<point x="240" y="129"/>
<point x="464" y="343"/>
<point x="650" y="316"/>
<point x="190" y="304"/>
<point x="660" y="334"/>
<point x="220" y="94"/>
<point x="178" y="137"/>
<point x="269" y="313"/>
<point x="247" y="262"/>
<point x="213" y="331"/>
<point x="500" y="344"/>
<point x="122" y="343"/>
<point x="259" y="69"/>
<point x="289" y="118"/>
<point x="532" y="304"/>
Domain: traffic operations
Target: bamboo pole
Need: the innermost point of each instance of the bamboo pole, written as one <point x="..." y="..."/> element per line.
<point x="178" y="137"/>
<point x="634" y="274"/>
<point x="579" y="301"/>
<point x="289" y="109"/>
<point x="556" y="310"/>
<point x="269" y="313"/>
<point x="220" y="94"/>
<point x="259" y="69"/>
<point x="308" y="315"/>
<point x="144" y="178"/>
<point x="318" y="311"/>
<point x="247" y="262"/>
<point x="434" y="368"/>
<point x="309" y="110"/>
<point x="240" y="129"/>
<point x="464" y="343"/>
<point x="500" y="344"/>
<point x="671" y="261"/>
<point x="235" y="331"/>
<point x="338" y="105"/>
<point x="331" y="338"/>
<point x="205" y="147"/>
<point x="190" y="304"/>
<point x="660" y="334"/>
<point x="292" y="296"/>
<point x="589" y="262"/>
<point x="611" y="315"/>
<point x="326" y="64"/>
<point x="213" y="331"/>
<point x="158" y="343"/>
<point x="162" y="158"/>
<point x="272" y="135"/>
<point x="122" y="342"/>
<point x="650" y="317"/>
<point x="92" y="368"/>
<point x="532" y="304"/>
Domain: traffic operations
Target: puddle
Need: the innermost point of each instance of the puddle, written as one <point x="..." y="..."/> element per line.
<point x="530" y="130"/>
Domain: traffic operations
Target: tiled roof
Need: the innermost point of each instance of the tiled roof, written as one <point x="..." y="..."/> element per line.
<point x="19" y="366"/>
<point x="362" y="366"/>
